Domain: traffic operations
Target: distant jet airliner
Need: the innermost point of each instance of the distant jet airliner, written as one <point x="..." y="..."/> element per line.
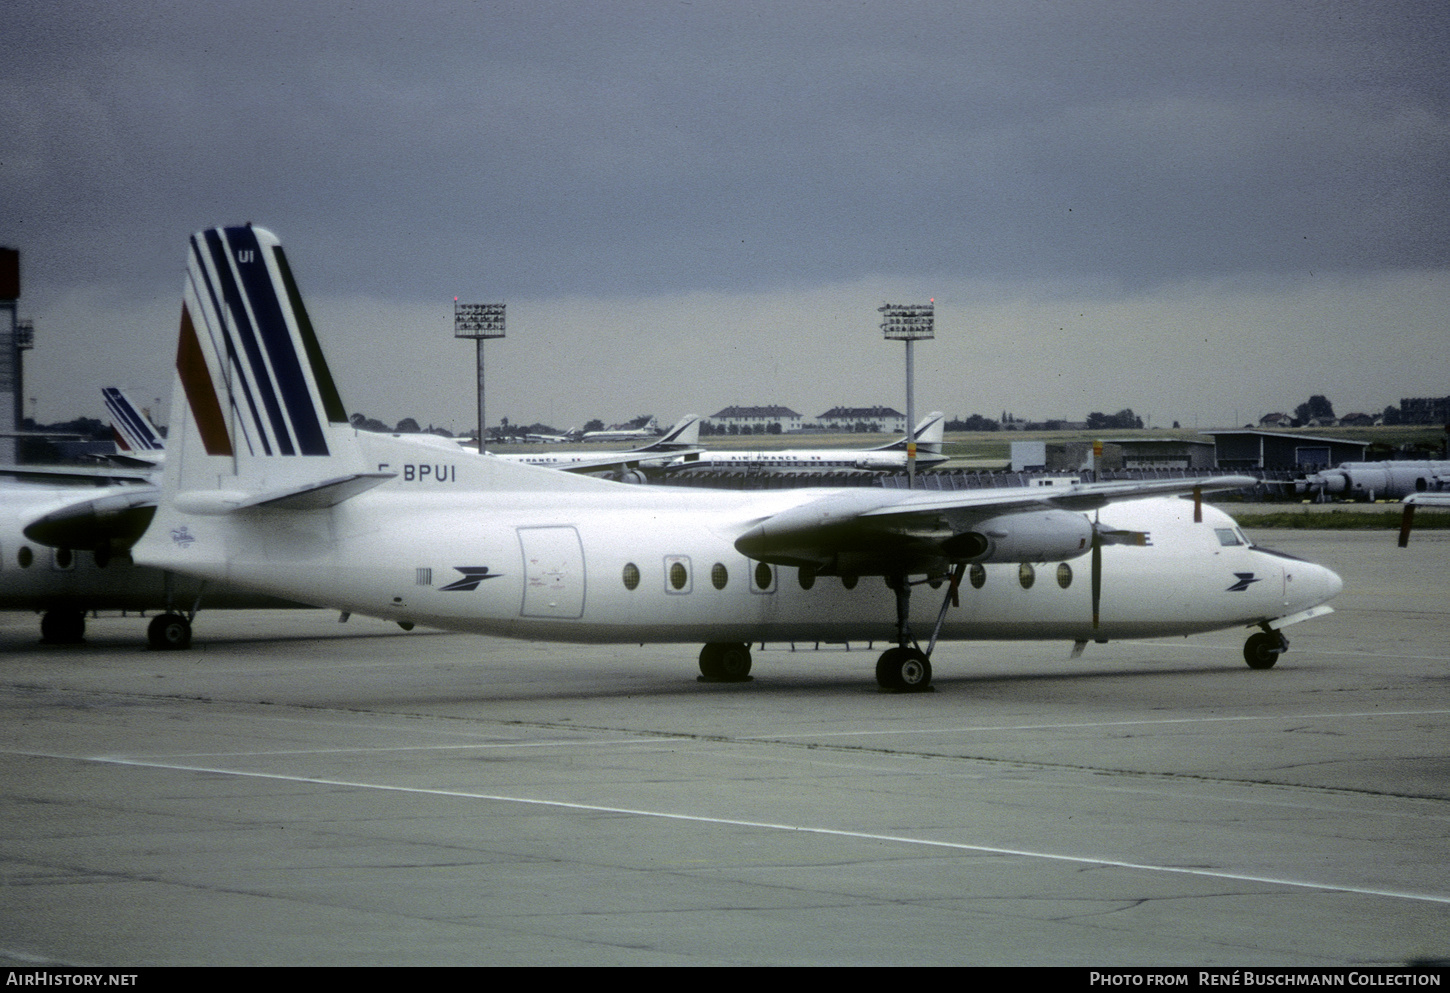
<point x="891" y="457"/>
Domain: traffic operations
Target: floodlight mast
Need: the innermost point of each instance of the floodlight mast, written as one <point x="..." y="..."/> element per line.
<point x="909" y="322"/>
<point x="479" y="321"/>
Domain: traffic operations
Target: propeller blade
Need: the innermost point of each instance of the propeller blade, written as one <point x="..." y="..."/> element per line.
<point x="1198" y="505"/>
<point x="1138" y="538"/>
<point x="1097" y="572"/>
<point x="1406" y="520"/>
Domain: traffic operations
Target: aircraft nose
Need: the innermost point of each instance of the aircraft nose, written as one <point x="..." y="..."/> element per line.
<point x="1317" y="583"/>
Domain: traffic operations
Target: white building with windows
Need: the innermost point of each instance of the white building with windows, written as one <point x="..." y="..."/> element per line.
<point x="756" y="420"/>
<point x="882" y="420"/>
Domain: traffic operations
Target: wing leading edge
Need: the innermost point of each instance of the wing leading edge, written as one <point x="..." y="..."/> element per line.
<point x="880" y="532"/>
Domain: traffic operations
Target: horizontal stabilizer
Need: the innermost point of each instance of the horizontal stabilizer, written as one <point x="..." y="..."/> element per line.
<point x="313" y="496"/>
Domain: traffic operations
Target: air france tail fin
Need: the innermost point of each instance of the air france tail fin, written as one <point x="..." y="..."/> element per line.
<point x="257" y="420"/>
<point x="685" y="434"/>
<point x="260" y="412"/>
<point x="137" y="440"/>
<point x="930" y="431"/>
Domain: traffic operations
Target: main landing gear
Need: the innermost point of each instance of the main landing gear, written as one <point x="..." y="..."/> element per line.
<point x="63" y="627"/>
<point x="906" y="668"/>
<point x="169" y="632"/>
<point x="903" y="669"/>
<point x="725" y="662"/>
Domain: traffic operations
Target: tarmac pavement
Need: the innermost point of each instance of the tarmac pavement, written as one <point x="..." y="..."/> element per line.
<point x="298" y="791"/>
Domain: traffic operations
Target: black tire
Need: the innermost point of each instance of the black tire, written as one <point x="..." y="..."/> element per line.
<point x="1261" y="651"/>
<point x="725" y="662"/>
<point x="904" y="670"/>
<point x="735" y="663"/>
<point x="63" y="627"/>
<point x="169" y="632"/>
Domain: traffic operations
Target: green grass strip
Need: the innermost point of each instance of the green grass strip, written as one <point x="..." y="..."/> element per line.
<point x="1343" y="520"/>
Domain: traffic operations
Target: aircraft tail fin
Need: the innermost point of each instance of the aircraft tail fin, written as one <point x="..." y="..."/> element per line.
<point x="258" y="423"/>
<point x="930" y="431"/>
<point x="254" y="393"/>
<point x="684" y="434"/>
<point x="133" y="431"/>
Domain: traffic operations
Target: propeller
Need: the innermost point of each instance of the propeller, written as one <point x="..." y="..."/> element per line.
<point x="1097" y="569"/>
<point x="1108" y="536"/>
<point x="1406" y="522"/>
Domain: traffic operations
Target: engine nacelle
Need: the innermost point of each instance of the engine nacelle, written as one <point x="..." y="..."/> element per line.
<point x="1040" y="536"/>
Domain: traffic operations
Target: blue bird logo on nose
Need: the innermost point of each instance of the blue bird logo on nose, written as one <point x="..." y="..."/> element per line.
<point x="472" y="576"/>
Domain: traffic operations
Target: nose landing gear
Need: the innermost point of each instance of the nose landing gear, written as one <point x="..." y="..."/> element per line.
<point x="1262" y="650"/>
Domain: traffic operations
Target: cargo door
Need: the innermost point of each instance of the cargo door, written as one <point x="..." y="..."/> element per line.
<point x="553" y="572"/>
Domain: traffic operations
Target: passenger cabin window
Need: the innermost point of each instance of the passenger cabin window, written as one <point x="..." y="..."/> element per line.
<point x="677" y="573"/>
<point x="631" y="576"/>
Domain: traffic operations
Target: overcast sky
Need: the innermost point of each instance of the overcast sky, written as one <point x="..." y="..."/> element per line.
<point x="1203" y="211"/>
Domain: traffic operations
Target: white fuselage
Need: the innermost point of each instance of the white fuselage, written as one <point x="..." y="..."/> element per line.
<point x="562" y="566"/>
<point x="1381" y="480"/>
<point x="820" y="459"/>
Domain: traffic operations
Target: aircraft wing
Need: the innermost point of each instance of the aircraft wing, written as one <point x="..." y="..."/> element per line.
<point x="1428" y="499"/>
<point x="112" y="522"/>
<point x="1407" y="520"/>
<point x="885" y="532"/>
<point x="80" y="475"/>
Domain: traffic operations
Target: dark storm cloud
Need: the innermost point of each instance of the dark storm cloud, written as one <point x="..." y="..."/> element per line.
<point x="598" y="147"/>
<point x="1084" y="185"/>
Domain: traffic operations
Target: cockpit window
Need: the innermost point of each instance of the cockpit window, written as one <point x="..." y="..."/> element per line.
<point x="1229" y="536"/>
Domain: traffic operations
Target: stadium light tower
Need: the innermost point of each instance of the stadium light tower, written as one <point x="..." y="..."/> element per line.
<point x="479" y="321"/>
<point x="909" y="322"/>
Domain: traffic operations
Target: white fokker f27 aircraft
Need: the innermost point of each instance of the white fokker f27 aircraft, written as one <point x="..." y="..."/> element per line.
<point x="266" y="484"/>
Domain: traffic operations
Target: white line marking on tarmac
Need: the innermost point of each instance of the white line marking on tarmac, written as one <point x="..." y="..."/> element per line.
<point x="376" y="749"/>
<point x="793" y="828"/>
<point x="1100" y="724"/>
